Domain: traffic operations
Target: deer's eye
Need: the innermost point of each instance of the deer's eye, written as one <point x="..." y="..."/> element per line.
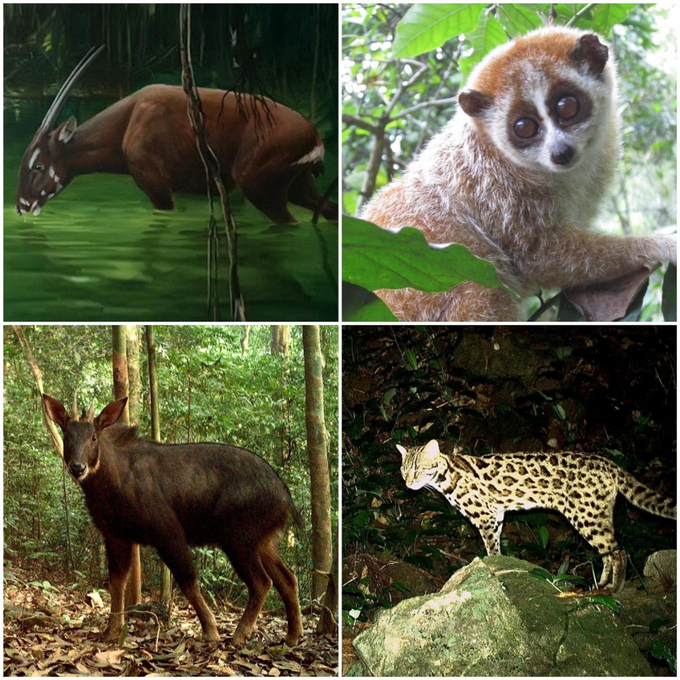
<point x="94" y="437"/>
<point x="38" y="167"/>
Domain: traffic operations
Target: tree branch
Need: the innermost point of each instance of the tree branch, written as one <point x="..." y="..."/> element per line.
<point x="211" y="165"/>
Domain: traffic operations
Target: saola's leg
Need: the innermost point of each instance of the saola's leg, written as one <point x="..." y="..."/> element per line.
<point x="287" y="586"/>
<point x="265" y="182"/>
<point x="248" y="565"/>
<point x="152" y="179"/>
<point x="146" y="166"/>
<point x="119" y="557"/>
<point x="176" y="555"/>
<point x="303" y="192"/>
<point x="269" y="198"/>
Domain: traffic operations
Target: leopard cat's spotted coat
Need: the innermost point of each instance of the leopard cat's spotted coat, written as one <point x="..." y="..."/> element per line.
<point x="582" y="487"/>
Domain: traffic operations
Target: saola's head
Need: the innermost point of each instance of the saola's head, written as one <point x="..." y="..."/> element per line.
<point x="43" y="172"/>
<point x="81" y="435"/>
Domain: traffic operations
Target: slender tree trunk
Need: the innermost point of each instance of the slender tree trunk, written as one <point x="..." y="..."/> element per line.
<point x="245" y="338"/>
<point x="132" y="351"/>
<point x="166" y="582"/>
<point x="133" y="588"/>
<point x="280" y="344"/>
<point x="54" y="433"/>
<point x="280" y="341"/>
<point x="37" y="376"/>
<point x="120" y="369"/>
<point x="328" y="621"/>
<point x="318" y="460"/>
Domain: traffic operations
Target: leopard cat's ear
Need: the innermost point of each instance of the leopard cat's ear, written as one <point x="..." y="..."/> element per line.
<point x="432" y="447"/>
<point x="401" y="450"/>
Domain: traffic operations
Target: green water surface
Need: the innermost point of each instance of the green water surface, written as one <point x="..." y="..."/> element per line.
<point x="100" y="252"/>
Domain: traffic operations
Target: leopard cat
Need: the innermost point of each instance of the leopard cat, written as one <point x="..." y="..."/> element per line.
<point x="582" y="487"/>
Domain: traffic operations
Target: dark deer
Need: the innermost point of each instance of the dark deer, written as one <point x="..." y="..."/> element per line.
<point x="267" y="150"/>
<point x="174" y="496"/>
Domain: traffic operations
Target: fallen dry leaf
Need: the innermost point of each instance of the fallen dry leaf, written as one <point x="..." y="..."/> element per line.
<point x="70" y="644"/>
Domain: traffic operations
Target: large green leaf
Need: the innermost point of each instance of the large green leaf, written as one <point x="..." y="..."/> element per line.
<point x="488" y="35"/>
<point x="518" y="19"/>
<point x="376" y="258"/>
<point x="606" y="15"/>
<point x="669" y="302"/>
<point x="359" y="304"/>
<point x="428" y="26"/>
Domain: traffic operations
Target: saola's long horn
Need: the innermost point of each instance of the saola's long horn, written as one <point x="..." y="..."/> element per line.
<point x="58" y="103"/>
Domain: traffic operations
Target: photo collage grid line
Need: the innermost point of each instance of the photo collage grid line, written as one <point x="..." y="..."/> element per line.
<point x="340" y="339"/>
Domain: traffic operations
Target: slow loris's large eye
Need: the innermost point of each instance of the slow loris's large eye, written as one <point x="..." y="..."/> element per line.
<point x="525" y="128"/>
<point x="567" y="107"/>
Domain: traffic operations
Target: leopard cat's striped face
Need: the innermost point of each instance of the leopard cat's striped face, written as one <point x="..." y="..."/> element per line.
<point x="422" y="466"/>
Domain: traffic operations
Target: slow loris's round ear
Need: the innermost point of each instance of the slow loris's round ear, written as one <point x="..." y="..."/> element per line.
<point x="474" y="103"/>
<point x="401" y="450"/>
<point x="591" y="51"/>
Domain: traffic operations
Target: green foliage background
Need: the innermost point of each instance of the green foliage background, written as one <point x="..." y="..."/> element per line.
<point x="286" y="51"/>
<point x="208" y="390"/>
<point x="386" y="46"/>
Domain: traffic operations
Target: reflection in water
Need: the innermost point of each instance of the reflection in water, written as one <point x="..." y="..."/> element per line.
<point x="99" y="252"/>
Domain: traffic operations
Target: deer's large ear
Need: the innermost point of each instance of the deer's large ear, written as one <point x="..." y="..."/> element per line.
<point x="110" y="414"/>
<point x="55" y="411"/>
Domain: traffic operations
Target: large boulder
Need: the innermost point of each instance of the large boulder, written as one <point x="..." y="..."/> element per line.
<point x="493" y="618"/>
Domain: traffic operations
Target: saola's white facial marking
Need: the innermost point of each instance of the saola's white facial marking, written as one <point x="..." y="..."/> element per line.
<point x="54" y="176"/>
<point x="31" y="161"/>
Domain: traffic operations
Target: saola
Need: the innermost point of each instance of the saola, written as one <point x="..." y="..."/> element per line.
<point x="267" y="150"/>
<point x="174" y="496"/>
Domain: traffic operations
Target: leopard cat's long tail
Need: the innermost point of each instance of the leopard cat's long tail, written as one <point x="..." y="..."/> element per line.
<point x="642" y="496"/>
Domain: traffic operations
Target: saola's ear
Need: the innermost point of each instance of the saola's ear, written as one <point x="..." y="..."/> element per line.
<point x="110" y="414"/>
<point x="64" y="132"/>
<point x="55" y="411"/>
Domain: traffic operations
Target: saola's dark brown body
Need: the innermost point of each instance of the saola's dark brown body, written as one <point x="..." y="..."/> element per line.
<point x="264" y="148"/>
<point x="173" y="496"/>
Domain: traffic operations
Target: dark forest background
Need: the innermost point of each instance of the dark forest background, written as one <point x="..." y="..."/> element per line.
<point x="602" y="390"/>
<point x="288" y="52"/>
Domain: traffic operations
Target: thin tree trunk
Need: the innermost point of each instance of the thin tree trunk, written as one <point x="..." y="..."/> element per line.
<point x="54" y="433"/>
<point x="328" y="621"/>
<point x="37" y="376"/>
<point x="280" y="340"/>
<point x="133" y="587"/>
<point x="166" y="582"/>
<point x="245" y="338"/>
<point x="132" y="351"/>
<point x="318" y="460"/>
